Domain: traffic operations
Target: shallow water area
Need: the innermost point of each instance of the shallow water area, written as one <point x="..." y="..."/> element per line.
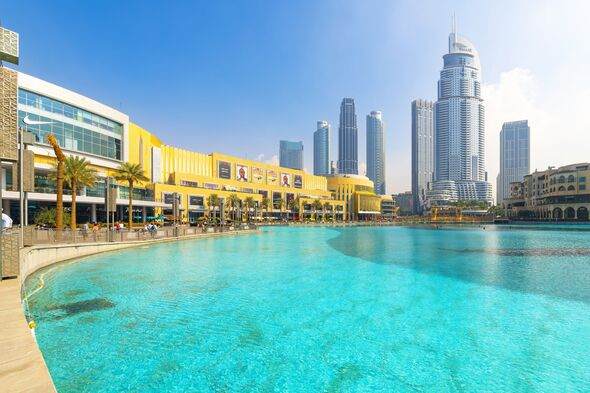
<point x="323" y="309"/>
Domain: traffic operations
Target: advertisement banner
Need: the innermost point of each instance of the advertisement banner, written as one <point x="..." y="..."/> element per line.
<point x="264" y="193"/>
<point x="224" y="169"/>
<point x="298" y="181"/>
<point x="257" y="175"/>
<point x="242" y="172"/>
<point x="272" y="177"/>
<point x="285" y="179"/>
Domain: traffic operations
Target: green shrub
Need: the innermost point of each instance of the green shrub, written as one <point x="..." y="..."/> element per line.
<point x="47" y="217"/>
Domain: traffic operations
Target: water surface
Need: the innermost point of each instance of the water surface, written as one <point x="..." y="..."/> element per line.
<point x="318" y="309"/>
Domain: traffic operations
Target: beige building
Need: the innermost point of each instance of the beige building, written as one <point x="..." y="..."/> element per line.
<point x="554" y="194"/>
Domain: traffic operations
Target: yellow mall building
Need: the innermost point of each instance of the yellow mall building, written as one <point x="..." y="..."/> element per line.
<point x="204" y="184"/>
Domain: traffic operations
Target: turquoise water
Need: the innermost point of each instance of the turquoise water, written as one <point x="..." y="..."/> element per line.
<point x="319" y="309"/>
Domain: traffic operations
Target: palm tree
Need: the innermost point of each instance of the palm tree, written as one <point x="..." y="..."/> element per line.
<point x="294" y="205"/>
<point x="60" y="183"/>
<point x="316" y="205"/>
<point x="325" y="210"/>
<point x="213" y="201"/>
<point x="77" y="174"/>
<point x="249" y="202"/>
<point x="131" y="173"/>
<point x="232" y="202"/>
<point x="279" y="203"/>
<point x="265" y="204"/>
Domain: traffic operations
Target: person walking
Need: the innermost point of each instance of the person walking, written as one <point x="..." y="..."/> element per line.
<point x="6" y="221"/>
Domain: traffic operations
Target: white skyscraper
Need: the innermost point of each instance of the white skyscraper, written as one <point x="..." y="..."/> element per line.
<point x="460" y="123"/>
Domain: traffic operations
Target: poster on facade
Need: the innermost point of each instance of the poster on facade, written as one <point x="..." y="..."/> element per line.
<point x="298" y="181"/>
<point x="264" y="193"/>
<point x="224" y="169"/>
<point x="272" y="177"/>
<point x="289" y="197"/>
<point x="285" y="179"/>
<point x="241" y="173"/>
<point x="257" y="175"/>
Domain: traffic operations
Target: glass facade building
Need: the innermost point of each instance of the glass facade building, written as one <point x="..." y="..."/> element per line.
<point x="422" y="151"/>
<point x="347" y="138"/>
<point x="321" y="149"/>
<point x="376" y="151"/>
<point x="460" y="131"/>
<point x="514" y="157"/>
<point x="459" y="116"/>
<point x="291" y="155"/>
<point x="76" y="130"/>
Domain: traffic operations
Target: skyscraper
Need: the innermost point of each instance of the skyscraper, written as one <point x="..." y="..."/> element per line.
<point x="347" y="138"/>
<point x="515" y="156"/>
<point x="291" y="155"/>
<point x="321" y="149"/>
<point x="460" y="124"/>
<point x="422" y="151"/>
<point x="376" y="151"/>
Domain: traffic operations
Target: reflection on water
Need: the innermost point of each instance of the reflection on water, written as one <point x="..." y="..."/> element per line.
<point x="545" y="262"/>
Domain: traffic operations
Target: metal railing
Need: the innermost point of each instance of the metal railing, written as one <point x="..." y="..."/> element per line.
<point x="36" y="236"/>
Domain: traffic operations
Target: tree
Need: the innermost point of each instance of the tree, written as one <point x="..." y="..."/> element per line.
<point x="325" y="210"/>
<point x="131" y="173"/>
<point x="316" y="205"/>
<point x="265" y="204"/>
<point x="249" y="203"/>
<point x="48" y="217"/>
<point x="77" y="174"/>
<point x="232" y="202"/>
<point x="60" y="183"/>
<point x="294" y="205"/>
<point x="278" y="204"/>
<point x="212" y="202"/>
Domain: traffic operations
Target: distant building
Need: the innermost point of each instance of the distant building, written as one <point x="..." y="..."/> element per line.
<point x="376" y="151"/>
<point x="554" y="194"/>
<point x="405" y="202"/>
<point x="321" y="149"/>
<point x="347" y="138"/>
<point x="459" y="132"/>
<point x="388" y="207"/>
<point x="422" y="151"/>
<point x="515" y="157"/>
<point x="291" y="155"/>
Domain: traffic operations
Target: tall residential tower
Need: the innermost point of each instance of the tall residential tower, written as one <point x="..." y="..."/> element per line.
<point x="515" y="156"/>
<point x="376" y="151"/>
<point x="321" y="149"/>
<point x="291" y="155"/>
<point x="460" y="125"/>
<point x="422" y="151"/>
<point x="347" y="138"/>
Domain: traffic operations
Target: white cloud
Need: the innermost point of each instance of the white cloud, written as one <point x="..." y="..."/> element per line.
<point x="274" y="160"/>
<point x="559" y="126"/>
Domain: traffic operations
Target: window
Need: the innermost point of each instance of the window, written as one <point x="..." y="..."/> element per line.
<point x="571" y="179"/>
<point x="582" y="179"/>
<point x="582" y="187"/>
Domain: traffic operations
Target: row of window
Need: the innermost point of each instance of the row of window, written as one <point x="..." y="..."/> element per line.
<point x="74" y="138"/>
<point x="50" y="105"/>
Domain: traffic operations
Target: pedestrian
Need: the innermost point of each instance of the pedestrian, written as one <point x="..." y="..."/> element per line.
<point x="6" y="221"/>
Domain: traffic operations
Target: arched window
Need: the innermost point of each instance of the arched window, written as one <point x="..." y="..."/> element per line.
<point x="571" y="179"/>
<point x="561" y="179"/>
<point x="570" y="213"/>
<point x="561" y="188"/>
<point x="583" y="214"/>
<point x="571" y="188"/>
<point x="557" y="213"/>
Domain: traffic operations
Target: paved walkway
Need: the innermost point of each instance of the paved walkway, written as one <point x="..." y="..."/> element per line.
<point x="22" y="368"/>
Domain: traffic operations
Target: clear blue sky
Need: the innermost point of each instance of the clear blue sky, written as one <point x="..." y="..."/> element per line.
<point x="238" y="76"/>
